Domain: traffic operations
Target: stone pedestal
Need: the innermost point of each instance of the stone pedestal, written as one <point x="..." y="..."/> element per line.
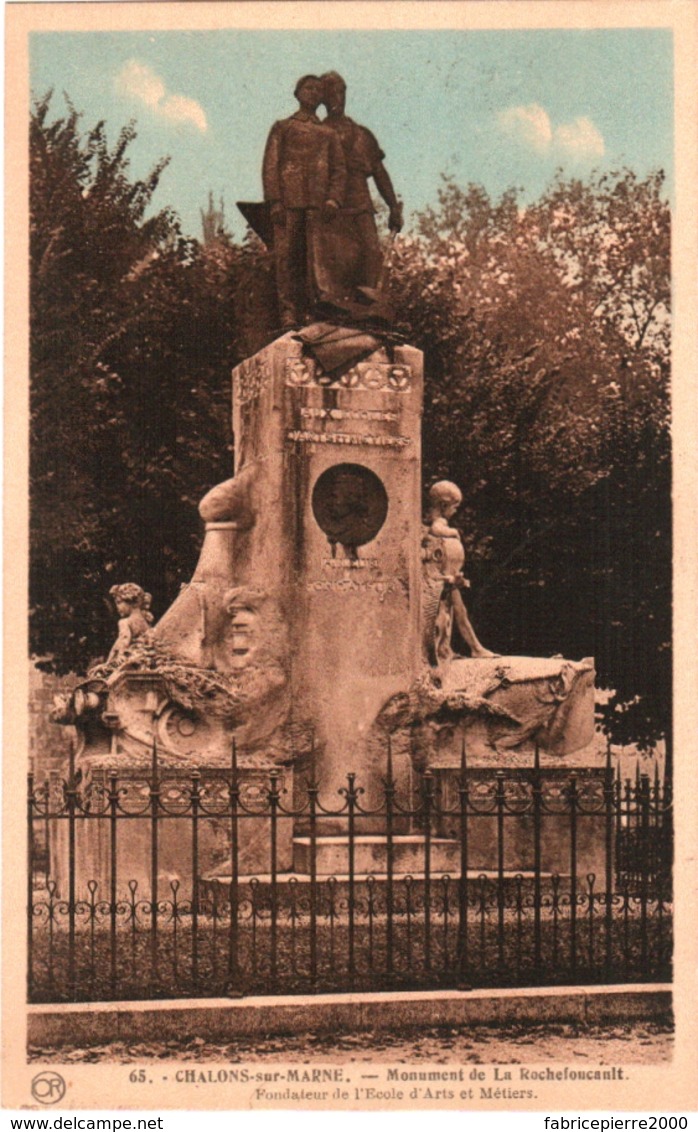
<point x="308" y="590"/>
<point x="518" y="822"/>
<point x="307" y="638"/>
<point x="330" y="470"/>
<point x="178" y="859"/>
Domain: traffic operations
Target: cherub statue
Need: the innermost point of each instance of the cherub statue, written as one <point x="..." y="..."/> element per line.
<point x="133" y="606"/>
<point x="443" y="557"/>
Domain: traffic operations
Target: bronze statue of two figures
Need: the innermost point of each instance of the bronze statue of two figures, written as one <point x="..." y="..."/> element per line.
<point x="318" y="217"/>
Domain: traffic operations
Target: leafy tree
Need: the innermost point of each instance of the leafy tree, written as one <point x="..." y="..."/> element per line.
<point x="132" y="338"/>
<point x="546" y="331"/>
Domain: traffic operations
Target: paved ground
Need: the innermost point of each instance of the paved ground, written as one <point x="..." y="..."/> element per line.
<point x="604" y="1045"/>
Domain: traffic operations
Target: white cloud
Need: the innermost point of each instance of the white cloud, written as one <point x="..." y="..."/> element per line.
<point x="138" y="80"/>
<point x="529" y="124"/>
<point x="579" y="140"/>
<point x="179" y="108"/>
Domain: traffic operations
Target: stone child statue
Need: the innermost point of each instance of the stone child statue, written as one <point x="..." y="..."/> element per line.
<point x="444" y="584"/>
<point x="133" y="607"/>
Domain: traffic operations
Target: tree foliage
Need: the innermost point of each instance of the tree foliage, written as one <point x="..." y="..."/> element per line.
<point x="546" y="331"/>
<point x="131" y="342"/>
<point x="546" y="334"/>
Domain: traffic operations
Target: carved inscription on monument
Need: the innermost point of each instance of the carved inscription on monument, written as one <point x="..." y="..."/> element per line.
<point x="315" y="414"/>
<point x="379" y="586"/>
<point x="350" y="564"/>
<point x="306" y="436"/>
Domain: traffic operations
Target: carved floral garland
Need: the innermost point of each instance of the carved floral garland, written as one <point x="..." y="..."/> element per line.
<point x="190" y="687"/>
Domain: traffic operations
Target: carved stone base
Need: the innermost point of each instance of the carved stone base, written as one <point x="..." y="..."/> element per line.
<point x="518" y="824"/>
<point x="177" y="859"/>
<point x="371" y="855"/>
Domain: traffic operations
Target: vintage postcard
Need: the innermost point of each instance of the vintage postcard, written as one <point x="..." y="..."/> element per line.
<point x="351" y="494"/>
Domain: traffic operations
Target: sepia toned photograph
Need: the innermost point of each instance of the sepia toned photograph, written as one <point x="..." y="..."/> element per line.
<point x="348" y="468"/>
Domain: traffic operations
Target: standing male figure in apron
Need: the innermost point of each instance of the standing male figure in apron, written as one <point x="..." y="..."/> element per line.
<point x="304" y="178"/>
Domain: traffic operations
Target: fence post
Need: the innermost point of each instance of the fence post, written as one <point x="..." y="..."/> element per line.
<point x="537" y="789"/>
<point x="609" y="795"/>
<point x="618" y="800"/>
<point x="668" y="809"/>
<point x="668" y="829"/>
<point x="274" y="796"/>
<point x="645" y="861"/>
<point x="389" y="892"/>
<point x="233" y="989"/>
<point x="313" y="791"/>
<point x="573" y="872"/>
<point x="351" y="796"/>
<point x="463" y="795"/>
<point x="113" y="819"/>
<point x="668" y="822"/>
<point x="428" y="784"/>
<point x="30" y="881"/>
<point x="154" y="815"/>
<point x="195" y="800"/>
<point x="500" y="799"/>
<point x="655" y="824"/>
<point x="71" y="799"/>
<point x="663" y="867"/>
<point x="637" y="809"/>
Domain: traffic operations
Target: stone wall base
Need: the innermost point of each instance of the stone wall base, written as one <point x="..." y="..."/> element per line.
<point x="223" y="1019"/>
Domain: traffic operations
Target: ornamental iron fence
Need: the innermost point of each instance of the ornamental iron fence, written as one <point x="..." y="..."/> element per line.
<point x="160" y="883"/>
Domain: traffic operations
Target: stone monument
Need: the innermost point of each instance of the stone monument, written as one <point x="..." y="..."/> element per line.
<point x="318" y="628"/>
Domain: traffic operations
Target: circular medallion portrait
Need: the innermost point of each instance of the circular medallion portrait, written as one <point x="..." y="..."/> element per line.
<point x="350" y="504"/>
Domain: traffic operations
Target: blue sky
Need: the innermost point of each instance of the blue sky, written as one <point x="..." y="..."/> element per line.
<point x="501" y="108"/>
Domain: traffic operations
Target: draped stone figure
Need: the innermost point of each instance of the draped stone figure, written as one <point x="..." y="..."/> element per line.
<point x="356" y="258"/>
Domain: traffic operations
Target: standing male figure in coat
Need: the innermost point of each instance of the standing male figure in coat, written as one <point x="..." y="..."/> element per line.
<point x="304" y="178"/>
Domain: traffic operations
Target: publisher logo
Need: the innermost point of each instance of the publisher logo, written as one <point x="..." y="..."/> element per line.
<point x="48" y="1087"/>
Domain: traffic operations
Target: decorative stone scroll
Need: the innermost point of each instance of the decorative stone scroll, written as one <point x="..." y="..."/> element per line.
<point x="252" y="376"/>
